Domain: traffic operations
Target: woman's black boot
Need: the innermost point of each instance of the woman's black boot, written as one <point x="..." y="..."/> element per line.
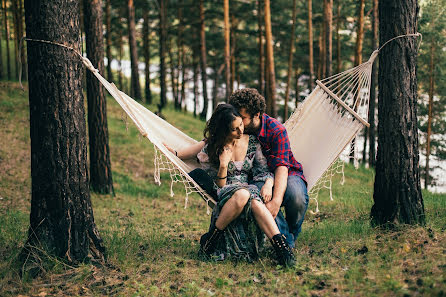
<point x="285" y="255"/>
<point x="209" y="241"/>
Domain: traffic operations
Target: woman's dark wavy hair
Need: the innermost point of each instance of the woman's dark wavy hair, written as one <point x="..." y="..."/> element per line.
<point x="217" y="130"/>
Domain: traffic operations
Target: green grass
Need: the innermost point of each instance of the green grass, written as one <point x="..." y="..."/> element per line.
<point x="152" y="240"/>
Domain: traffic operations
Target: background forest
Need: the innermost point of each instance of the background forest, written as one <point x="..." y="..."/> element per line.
<point x="180" y="58"/>
<point x="179" y="44"/>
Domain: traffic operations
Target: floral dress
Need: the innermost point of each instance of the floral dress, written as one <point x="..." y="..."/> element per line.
<point x="243" y="239"/>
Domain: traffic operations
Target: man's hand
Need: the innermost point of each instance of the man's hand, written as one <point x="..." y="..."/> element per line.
<point x="273" y="208"/>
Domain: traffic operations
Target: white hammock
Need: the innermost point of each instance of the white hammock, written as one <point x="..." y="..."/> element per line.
<point x="319" y="130"/>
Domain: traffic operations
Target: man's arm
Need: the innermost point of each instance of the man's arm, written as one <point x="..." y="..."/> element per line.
<point x="280" y="183"/>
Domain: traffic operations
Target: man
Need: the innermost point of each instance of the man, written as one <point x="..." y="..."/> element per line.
<point x="290" y="187"/>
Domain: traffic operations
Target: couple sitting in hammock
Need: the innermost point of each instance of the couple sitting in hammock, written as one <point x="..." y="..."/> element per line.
<point x="247" y="155"/>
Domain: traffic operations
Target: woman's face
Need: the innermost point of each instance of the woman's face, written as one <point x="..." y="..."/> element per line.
<point x="236" y="129"/>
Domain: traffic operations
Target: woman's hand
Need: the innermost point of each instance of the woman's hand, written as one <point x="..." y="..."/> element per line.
<point x="225" y="156"/>
<point x="170" y="149"/>
<point x="267" y="190"/>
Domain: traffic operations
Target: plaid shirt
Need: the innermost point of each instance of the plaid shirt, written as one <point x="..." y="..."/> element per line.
<point x="276" y="147"/>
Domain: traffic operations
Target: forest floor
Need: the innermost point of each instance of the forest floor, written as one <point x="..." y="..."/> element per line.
<point x="152" y="240"/>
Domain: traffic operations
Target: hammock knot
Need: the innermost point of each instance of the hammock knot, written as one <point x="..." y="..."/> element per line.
<point x="373" y="56"/>
<point x="89" y="65"/>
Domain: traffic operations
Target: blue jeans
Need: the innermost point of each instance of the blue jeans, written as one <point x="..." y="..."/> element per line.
<point x="295" y="202"/>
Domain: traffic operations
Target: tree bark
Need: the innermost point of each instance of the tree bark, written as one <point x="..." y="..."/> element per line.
<point x="108" y="39"/>
<point x="297" y="90"/>
<point x="227" y="47"/>
<point x="271" y="94"/>
<point x="290" y="62"/>
<point x="146" y="40"/>
<point x="397" y="190"/>
<point x="372" y="103"/>
<point x="328" y="11"/>
<point x="135" y="88"/>
<point x="172" y="63"/>
<point x="17" y="19"/>
<point x="358" y="60"/>
<point x="320" y="68"/>
<point x="310" y="44"/>
<point x="203" y="63"/>
<point x="429" y="121"/>
<point x="180" y="43"/>
<point x="121" y="52"/>
<point x="61" y="219"/>
<point x="8" y="56"/>
<point x="195" y="61"/>
<point x="233" y="38"/>
<point x="101" y="180"/>
<point x="261" y="52"/>
<point x="338" y="39"/>
<point x="1" y="55"/>
<point x="162" y="53"/>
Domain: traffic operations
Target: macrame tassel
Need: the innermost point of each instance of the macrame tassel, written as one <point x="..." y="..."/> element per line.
<point x="343" y="175"/>
<point x="156" y="174"/>
<point x="331" y="190"/>
<point x="171" y="188"/>
<point x="186" y="200"/>
<point x="208" y="210"/>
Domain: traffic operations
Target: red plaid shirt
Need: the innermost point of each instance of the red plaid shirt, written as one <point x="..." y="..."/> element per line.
<point x="276" y="147"/>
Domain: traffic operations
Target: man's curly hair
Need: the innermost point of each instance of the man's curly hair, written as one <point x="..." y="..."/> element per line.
<point x="250" y="99"/>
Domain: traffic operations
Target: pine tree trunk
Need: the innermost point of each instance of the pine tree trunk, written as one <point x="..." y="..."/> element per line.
<point x="261" y="85"/>
<point x="310" y="44"/>
<point x="1" y="57"/>
<point x="328" y="36"/>
<point x="162" y="53"/>
<point x="135" y="88"/>
<point x="271" y="95"/>
<point x="232" y="51"/>
<point x="172" y="63"/>
<point x="290" y="62"/>
<point x="108" y="39"/>
<point x="227" y="47"/>
<point x="8" y="56"/>
<point x="180" y="44"/>
<point x="338" y="39"/>
<point x="61" y="219"/>
<point x="146" y="41"/>
<point x="323" y="43"/>
<point x="372" y="103"/>
<point x="320" y="71"/>
<point x="358" y="60"/>
<point x="16" y="36"/>
<point x="21" y="68"/>
<point x="204" y="77"/>
<point x="196" y="58"/>
<point x="297" y="98"/>
<point x="397" y="191"/>
<point x="101" y="180"/>
<point x="429" y="121"/>
<point x="121" y="50"/>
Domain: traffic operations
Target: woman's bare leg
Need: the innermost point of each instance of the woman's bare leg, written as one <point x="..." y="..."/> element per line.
<point x="232" y="208"/>
<point x="264" y="218"/>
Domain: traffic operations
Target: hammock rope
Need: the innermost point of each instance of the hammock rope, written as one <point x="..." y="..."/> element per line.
<point x="320" y="129"/>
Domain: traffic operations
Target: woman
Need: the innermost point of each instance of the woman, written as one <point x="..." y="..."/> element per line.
<point x="234" y="160"/>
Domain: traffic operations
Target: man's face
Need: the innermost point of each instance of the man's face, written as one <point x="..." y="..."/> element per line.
<point x="252" y="124"/>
